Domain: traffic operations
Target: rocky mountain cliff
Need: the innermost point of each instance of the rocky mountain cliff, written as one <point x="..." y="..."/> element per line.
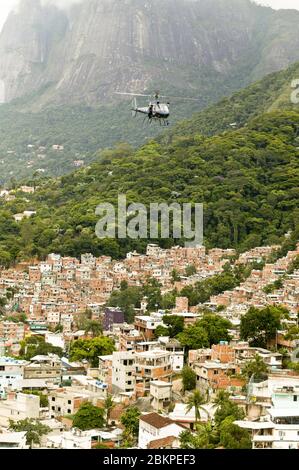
<point x="204" y="48"/>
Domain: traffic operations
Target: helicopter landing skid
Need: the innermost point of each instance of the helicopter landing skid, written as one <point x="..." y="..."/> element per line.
<point x="162" y="122"/>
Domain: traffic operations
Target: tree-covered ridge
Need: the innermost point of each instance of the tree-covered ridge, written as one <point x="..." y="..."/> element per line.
<point x="272" y="93"/>
<point x="81" y="130"/>
<point x="248" y="180"/>
<point x="85" y="130"/>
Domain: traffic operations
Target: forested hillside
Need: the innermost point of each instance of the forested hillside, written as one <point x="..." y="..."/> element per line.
<point x="248" y="180"/>
<point x="85" y="131"/>
<point x="59" y="69"/>
<point x="269" y="94"/>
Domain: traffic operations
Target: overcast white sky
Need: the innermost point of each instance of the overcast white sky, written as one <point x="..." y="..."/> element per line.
<point x="7" y="5"/>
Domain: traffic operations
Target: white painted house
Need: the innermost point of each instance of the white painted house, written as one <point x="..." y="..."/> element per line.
<point x="123" y="369"/>
<point x="279" y="429"/>
<point x="153" y="426"/>
<point x="13" y="440"/>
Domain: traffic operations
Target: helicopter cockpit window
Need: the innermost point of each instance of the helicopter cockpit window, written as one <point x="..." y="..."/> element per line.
<point x="163" y="107"/>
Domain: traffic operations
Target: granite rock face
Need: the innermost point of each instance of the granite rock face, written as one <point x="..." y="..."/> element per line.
<point x="81" y="54"/>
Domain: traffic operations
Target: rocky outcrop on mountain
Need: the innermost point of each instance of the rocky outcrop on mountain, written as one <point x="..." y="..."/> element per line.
<point x="84" y="53"/>
<point x="28" y="43"/>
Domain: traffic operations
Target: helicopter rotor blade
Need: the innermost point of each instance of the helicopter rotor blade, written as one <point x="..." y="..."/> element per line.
<point x="157" y="96"/>
<point x="130" y="94"/>
<point x="181" y="98"/>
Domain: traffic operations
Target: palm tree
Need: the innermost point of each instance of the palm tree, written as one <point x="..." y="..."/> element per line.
<point x="256" y="368"/>
<point x="196" y="401"/>
<point x="109" y="404"/>
<point x="94" y="327"/>
<point x="207" y="436"/>
<point x="221" y="398"/>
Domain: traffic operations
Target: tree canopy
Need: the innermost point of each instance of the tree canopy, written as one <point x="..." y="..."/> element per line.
<point x="223" y="432"/>
<point x="209" y="330"/>
<point x="188" y="378"/>
<point x="259" y="326"/>
<point x="36" y="345"/>
<point x="91" y="349"/>
<point x="130" y="420"/>
<point x="89" y="417"/>
<point x="34" y="429"/>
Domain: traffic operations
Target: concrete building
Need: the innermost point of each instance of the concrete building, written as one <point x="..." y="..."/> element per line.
<point x="279" y="429"/>
<point x="77" y="439"/>
<point x="123" y="368"/>
<point x="112" y="315"/>
<point x="44" y="367"/>
<point x="223" y="352"/>
<point x="11" y="372"/>
<point x="13" y="440"/>
<point x="160" y="392"/>
<point x="181" y="304"/>
<point x="128" y="338"/>
<point x="214" y="375"/>
<point x="105" y="370"/>
<point x="151" y="365"/>
<point x="244" y="352"/>
<point x="56" y="339"/>
<point x="153" y="426"/>
<point x="146" y="325"/>
<point x="12" y="331"/>
<point x="19" y="406"/>
<point x="63" y="402"/>
<point x="176" y="350"/>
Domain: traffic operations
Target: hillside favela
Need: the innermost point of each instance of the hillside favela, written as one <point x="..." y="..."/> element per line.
<point x="149" y="225"/>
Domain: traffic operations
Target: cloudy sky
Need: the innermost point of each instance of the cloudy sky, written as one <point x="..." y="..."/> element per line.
<point x="7" y="5"/>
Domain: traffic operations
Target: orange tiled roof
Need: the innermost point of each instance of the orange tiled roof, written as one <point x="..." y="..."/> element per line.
<point x="161" y="443"/>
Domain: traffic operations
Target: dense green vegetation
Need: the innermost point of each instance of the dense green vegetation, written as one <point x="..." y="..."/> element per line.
<point x="188" y="378"/>
<point x="209" y="330"/>
<point x="35" y="346"/>
<point x="91" y="349"/>
<point x="257" y="368"/>
<point x="247" y="179"/>
<point x="130" y="420"/>
<point x="259" y="326"/>
<point x="174" y="326"/>
<point x="227" y="280"/>
<point x="34" y="429"/>
<point x="89" y="417"/>
<point x="269" y="94"/>
<point x="84" y="130"/>
<point x="222" y="433"/>
<point x="278" y="284"/>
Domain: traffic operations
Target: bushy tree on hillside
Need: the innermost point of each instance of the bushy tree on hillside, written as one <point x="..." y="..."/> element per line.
<point x="89" y="417"/>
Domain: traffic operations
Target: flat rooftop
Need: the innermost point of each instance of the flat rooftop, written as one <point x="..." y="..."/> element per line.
<point x="153" y="353"/>
<point x="284" y="412"/>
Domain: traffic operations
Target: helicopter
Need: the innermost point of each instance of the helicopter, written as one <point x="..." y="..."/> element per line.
<point x="156" y="111"/>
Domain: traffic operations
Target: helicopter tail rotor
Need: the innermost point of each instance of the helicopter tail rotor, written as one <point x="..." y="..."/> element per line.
<point x="134" y="107"/>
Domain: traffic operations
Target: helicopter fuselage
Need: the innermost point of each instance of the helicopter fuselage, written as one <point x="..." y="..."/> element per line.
<point x="155" y="110"/>
<point x="160" y="110"/>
